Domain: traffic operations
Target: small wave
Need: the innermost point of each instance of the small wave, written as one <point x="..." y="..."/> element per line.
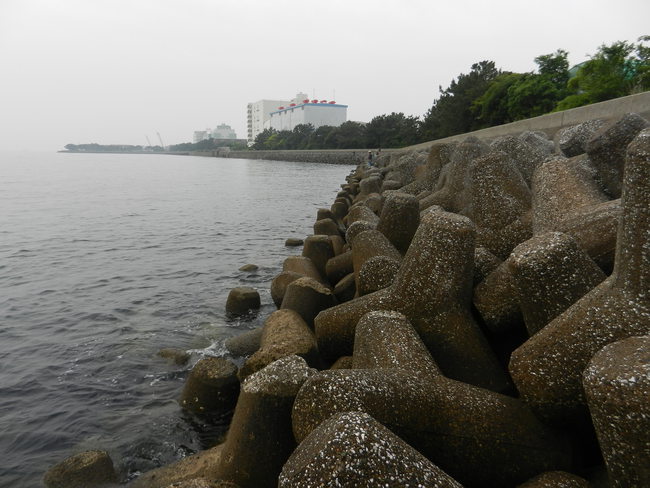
<point x="125" y="311"/>
<point x="100" y="317"/>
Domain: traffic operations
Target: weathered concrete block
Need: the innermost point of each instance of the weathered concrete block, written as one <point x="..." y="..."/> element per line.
<point x="496" y="300"/>
<point x="242" y="300"/>
<point x="284" y="334"/>
<point x="293" y="242"/>
<point x="344" y="362"/>
<point x="572" y="141"/>
<point x="324" y="213"/>
<point x="346" y="288"/>
<point x="202" y="483"/>
<point x="369" y="244"/>
<point x="212" y="386"/>
<point x="339" y="209"/>
<point x="377" y="273"/>
<point x="617" y="384"/>
<point x="594" y="228"/>
<point x="450" y="188"/>
<point x="361" y="212"/>
<point x="280" y="283"/>
<point x="319" y="249"/>
<point x="525" y="157"/>
<point x="550" y="273"/>
<point x="88" y="469"/>
<point x="357" y="228"/>
<point x="308" y="297"/>
<point x="353" y="449"/>
<point x="259" y="440"/>
<point x="433" y="290"/>
<point x="245" y="343"/>
<point x="388" y="340"/>
<point x="607" y="147"/>
<point x="371" y="184"/>
<point x="399" y="219"/>
<point x="559" y="188"/>
<point x="484" y="263"/>
<point x="339" y="267"/>
<point x="556" y="479"/>
<point x="497" y="201"/>
<point x="539" y="142"/>
<point x="548" y="367"/>
<point x="479" y="437"/>
<point x="326" y="227"/>
<point x="338" y="243"/>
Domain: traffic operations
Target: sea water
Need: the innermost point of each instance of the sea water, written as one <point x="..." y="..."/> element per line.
<point x="107" y="258"/>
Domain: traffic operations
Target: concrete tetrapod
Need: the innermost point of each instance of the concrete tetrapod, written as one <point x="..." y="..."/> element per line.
<point x="399" y="219"/>
<point x="285" y="333"/>
<point x="617" y="384"/>
<point x="559" y="188"/>
<point x="547" y="368"/>
<point x="211" y="387"/>
<point x="353" y="449"/>
<point x="361" y="213"/>
<point x="607" y="147"/>
<point x="388" y="340"/>
<point x="368" y="244"/>
<point x="259" y="440"/>
<point x="556" y="479"/>
<point x="88" y="469"/>
<point x="550" y="273"/>
<point x="319" y="249"/>
<point x="377" y="273"/>
<point x="242" y="300"/>
<point x="433" y="290"/>
<point x="280" y="284"/>
<point x="480" y="438"/>
<point x="308" y="297"/>
<point x="498" y="201"/>
<point x="496" y="300"/>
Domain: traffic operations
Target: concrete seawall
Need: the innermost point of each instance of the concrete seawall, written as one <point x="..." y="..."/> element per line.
<point x="549" y="123"/>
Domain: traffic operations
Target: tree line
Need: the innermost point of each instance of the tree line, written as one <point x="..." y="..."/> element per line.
<point x="485" y="97"/>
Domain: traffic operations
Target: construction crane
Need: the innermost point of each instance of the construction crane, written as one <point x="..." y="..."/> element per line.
<point x="150" y="146"/>
<point x="161" y="141"/>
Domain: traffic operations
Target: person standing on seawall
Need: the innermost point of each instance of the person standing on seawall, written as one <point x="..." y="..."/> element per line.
<point x="369" y="158"/>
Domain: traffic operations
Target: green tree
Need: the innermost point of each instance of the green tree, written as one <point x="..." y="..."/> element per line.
<point x="532" y="95"/>
<point x="262" y="138"/>
<point x="555" y="67"/>
<point x="394" y="130"/>
<point x="491" y="108"/>
<point x="349" y="135"/>
<point x="452" y="112"/>
<point x="610" y="73"/>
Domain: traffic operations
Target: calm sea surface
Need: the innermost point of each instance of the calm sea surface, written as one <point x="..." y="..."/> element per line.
<point x="106" y="259"/>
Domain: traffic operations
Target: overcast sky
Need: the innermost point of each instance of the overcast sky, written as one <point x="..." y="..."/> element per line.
<point x="115" y="71"/>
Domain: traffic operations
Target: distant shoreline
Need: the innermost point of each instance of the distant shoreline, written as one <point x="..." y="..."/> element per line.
<point x="173" y="153"/>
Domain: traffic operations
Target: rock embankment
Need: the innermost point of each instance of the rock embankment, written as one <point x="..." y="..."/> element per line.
<point x="474" y="315"/>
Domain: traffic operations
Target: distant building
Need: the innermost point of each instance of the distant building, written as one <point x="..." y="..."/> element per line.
<point x="223" y="131"/>
<point x="314" y="112"/>
<point x="201" y="135"/>
<point x="258" y="114"/>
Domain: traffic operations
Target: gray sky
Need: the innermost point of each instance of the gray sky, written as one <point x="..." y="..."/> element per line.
<point x="113" y="71"/>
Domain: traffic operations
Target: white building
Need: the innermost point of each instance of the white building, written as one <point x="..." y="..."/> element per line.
<point x="259" y="113"/>
<point x="223" y="131"/>
<point x="314" y="112"/>
<point x="201" y="135"/>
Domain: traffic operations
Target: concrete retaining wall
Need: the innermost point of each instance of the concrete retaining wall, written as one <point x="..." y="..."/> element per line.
<point x="553" y="122"/>
<point x="549" y="123"/>
<point x="330" y="156"/>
